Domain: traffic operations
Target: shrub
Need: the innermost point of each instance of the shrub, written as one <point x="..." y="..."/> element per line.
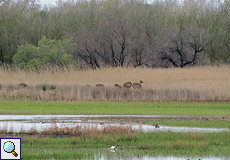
<point x="48" y="52"/>
<point x="46" y="87"/>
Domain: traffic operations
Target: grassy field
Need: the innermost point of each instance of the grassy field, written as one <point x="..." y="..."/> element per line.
<point x="176" y="84"/>
<point x="137" y="144"/>
<point x="149" y="108"/>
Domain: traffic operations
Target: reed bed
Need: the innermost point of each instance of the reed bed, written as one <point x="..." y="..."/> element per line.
<point x="77" y="130"/>
<point x="76" y="93"/>
<point x="175" y="84"/>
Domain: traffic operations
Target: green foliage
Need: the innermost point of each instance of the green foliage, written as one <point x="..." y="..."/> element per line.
<point x="26" y="56"/>
<point x="48" y="52"/>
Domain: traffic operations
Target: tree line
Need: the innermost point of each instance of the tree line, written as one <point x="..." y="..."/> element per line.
<point x="95" y="34"/>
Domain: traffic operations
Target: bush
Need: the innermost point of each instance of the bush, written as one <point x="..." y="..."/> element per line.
<point x="49" y="52"/>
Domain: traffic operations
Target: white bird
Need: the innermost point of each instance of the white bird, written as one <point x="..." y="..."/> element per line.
<point x="114" y="147"/>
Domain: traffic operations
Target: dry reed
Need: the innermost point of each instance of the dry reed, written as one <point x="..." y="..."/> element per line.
<point x="74" y="93"/>
<point x="188" y="84"/>
<point x="87" y="129"/>
<point x="78" y="129"/>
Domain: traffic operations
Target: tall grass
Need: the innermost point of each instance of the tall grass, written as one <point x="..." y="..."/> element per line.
<point x="188" y="84"/>
<point x="202" y="78"/>
<point x="79" y="93"/>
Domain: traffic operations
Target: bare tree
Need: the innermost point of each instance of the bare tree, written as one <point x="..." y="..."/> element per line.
<point x="114" y="41"/>
<point x="140" y="51"/>
<point x="110" y="44"/>
<point x="183" y="48"/>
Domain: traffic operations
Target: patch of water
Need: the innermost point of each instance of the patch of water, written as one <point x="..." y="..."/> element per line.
<point x="42" y="117"/>
<point x="16" y="123"/>
<point x="161" y="158"/>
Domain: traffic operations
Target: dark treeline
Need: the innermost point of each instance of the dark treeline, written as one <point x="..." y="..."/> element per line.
<point x="115" y="33"/>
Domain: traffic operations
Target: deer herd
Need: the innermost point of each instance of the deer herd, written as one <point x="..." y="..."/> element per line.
<point x="126" y="85"/>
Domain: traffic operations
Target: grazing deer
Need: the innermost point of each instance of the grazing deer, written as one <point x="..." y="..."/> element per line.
<point x="137" y="85"/>
<point x="23" y="85"/>
<point x="100" y="85"/>
<point x="117" y="86"/>
<point x="127" y="85"/>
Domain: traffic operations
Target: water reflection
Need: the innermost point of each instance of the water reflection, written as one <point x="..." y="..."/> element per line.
<point x="160" y="158"/>
<point x="106" y="155"/>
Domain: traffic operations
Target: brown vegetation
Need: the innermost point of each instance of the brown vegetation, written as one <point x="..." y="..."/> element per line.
<point x="78" y="129"/>
<point x="189" y="84"/>
<point x="75" y="93"/>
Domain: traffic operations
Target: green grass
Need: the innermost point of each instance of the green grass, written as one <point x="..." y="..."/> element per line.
<point x="153" y="144"/>
<point x="95" y="107"/>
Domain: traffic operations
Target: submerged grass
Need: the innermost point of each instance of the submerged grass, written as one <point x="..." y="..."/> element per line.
<point x="157" y="143"/>
<point x="113" y="108"/>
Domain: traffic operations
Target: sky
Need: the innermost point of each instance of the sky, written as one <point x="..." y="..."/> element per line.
<point x="53" y="2"/>
<point x="47" y="2"/>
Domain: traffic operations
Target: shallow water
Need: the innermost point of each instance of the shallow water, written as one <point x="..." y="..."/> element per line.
<point x="16" y="123"/>
<point x="161" y="158"/>
<point x="117" y="155"/>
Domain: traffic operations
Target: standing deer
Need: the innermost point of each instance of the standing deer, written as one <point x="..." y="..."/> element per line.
<point x="127" y="85"/>
<point x="137" y="85"/>
<point x="100" y="85"/>
<point x="23" y="85"/>
<point x="117" y="86"/>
